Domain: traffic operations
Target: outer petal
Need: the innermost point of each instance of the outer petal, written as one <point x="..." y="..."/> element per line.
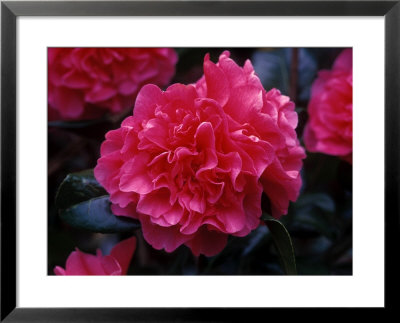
<point x="149" y="96"/>
<point x="168" y="238"/>
<point x="123" y="253"/>
<point x="59" y="271"/>
<point x="110" y="266"/>
<point x="79" y="263"/>
<point x="208" y="243"/>
<point x="281" y="187"/>
<point x="217" y="83"/>
<point x="129" y="210"/>
<point x="344" y="61"/>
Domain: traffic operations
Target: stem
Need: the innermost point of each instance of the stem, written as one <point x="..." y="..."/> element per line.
<point x="293" y="74"/>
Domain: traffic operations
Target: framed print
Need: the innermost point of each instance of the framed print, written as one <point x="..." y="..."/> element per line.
<point x="197" y="160"/>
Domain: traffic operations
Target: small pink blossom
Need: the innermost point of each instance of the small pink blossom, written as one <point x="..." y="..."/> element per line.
<point x="192" y="162"/>
<point x="117" y="263"/>
<point x="330" y="126"/>
<point x="85" y="83"/>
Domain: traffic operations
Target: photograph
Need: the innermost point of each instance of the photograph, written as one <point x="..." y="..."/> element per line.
<point x="200" y="161"/>
<point x="207" y="151"/>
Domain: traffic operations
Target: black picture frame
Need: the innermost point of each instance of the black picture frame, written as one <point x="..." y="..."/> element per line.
<point x="10" y="10"/>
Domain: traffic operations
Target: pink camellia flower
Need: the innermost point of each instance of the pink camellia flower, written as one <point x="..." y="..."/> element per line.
<point x="85" y="83"/>
<point x="117" y="263"/>
<point x="330" y="126"/>
<point x="192" y="162"/>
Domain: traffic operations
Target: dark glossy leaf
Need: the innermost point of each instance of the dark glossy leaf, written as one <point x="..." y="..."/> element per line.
<point x="319" y="200"/>
<point x="90" y="129"/>
<point x="77" y="188"/>
<point x="283" y="243"/>
<point x="312" y="267"/>
<point x="315" y="212"/>
<point x="254" y="240"/>
<point x="95" y="215"/>
<point x="272" y="69"/>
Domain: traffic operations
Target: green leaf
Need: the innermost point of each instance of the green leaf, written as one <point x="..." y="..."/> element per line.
<point x="95" y="215"/>
<point x="77" y="188"/>
<point x="283" y="243"/>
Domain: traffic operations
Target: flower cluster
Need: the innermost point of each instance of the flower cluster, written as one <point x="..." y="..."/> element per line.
<point x="84" y="83"/>
<point x="330" y="126"/>
<point x="193" y="161"/>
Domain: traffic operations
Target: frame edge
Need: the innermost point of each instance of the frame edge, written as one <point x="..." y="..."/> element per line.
<point x="392" y="148"/>
<point x="8" y="161"/>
